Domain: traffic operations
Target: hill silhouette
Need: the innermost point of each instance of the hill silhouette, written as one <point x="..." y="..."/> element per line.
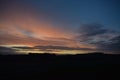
<point x="35" y="64"/>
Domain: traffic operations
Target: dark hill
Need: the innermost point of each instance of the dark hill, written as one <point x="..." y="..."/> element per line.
<point x="84" y="65"/>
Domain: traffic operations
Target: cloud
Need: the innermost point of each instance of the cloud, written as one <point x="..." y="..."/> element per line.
<point x="20" y="25"/>
<point x="60" y="48"/>
<point x="102" y="39"/>
<point x="6" y="51"/>
<point x="51" y="48"/>
<point x="48" y="49"/>
<point x="92" y="29"/>
<point x="113" y="46"/>
<point x="26" y="27"/>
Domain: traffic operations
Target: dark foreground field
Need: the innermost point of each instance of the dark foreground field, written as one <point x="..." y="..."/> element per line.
<point x="51" y="66"/>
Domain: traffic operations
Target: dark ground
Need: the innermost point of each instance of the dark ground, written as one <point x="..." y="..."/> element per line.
<point x="84" y="66"/>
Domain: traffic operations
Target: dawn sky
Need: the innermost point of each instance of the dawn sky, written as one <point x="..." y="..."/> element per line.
<point x="59" y="26"/>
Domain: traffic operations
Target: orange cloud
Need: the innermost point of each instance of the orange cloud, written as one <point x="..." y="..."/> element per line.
<point x="19" y="27"/>
<point x="25" y="27"/>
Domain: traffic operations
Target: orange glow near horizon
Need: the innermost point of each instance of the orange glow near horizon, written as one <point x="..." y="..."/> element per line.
<point x="53" y="51"/>
<point x="19" y="28"/>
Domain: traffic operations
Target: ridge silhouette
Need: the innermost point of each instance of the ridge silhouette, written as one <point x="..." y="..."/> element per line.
<point x="35" y="64"/>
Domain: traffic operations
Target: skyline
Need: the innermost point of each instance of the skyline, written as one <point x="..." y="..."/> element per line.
<point x="60" y="26"/>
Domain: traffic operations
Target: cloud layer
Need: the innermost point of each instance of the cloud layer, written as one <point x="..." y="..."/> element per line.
<point x="20" y="25"/>
<point x="25" y="27"/>
<point x="89" y="38"/>
<point x="101" y="38"/>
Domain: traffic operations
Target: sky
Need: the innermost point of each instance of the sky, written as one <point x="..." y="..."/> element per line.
<point x="59" y="26"/>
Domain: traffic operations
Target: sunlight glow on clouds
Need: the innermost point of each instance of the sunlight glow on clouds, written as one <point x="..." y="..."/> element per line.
<point x="22" y="26"/>
<point x="25" y="29"/>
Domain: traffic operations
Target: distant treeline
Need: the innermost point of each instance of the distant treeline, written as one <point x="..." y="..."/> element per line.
<point x="40" y="65"/>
